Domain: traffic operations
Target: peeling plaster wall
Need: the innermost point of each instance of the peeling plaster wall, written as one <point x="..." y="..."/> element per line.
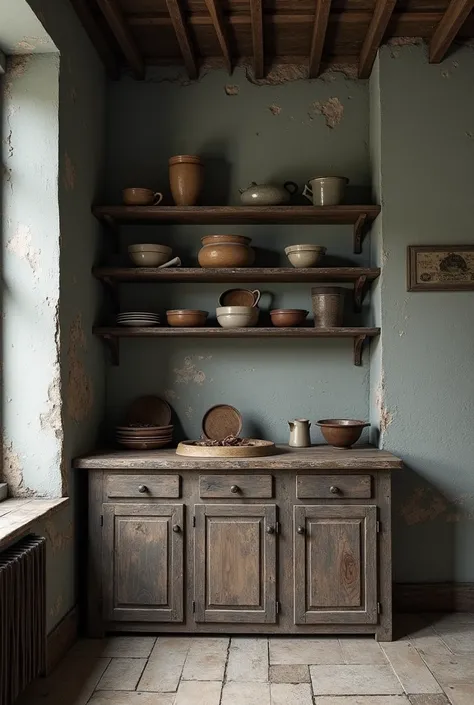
<point x="424" y="388"/>
<point x="270" y="132"/>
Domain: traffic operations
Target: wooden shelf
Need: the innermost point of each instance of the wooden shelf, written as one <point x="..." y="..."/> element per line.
<point x="359" y="216"/>
<point x="359" y="335"/>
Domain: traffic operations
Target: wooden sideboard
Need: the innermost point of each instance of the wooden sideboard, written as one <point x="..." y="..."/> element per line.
<point x="295" y="543"/>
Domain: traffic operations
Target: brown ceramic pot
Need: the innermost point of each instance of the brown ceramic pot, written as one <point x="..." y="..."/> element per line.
<point x="288" y="317"/>
<point x="183" y="318"/>
<point x="328" y="306"/>
<point x="186" y="179"/>
<point x="341" y="433"/>
<point x="222" y="251"/>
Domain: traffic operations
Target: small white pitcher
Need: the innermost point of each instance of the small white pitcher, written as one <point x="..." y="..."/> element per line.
<point x="325" y="190"/>
<point x="299" y="433"/>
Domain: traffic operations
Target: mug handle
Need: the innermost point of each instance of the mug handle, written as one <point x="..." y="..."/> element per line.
<point x="157" y="198"/>
<point x="257" y="296"/>
<point x="291" y="187"/>
<point x="306" y="191"/>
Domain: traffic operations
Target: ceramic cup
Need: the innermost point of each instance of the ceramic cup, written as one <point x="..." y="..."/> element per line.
<point x="141" y="197"/>
<point x="326" y="190"/>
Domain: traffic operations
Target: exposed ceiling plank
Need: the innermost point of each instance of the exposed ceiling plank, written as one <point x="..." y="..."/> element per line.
<point x="447" y="29"/>
<point x="116" y="22"/>
<point x="321" y="17"/>
<point x="182" y="36"/>
<point x="256" y="18"/>
<point x="97" y="37"/>
<point x="378" y="25"/>
<point x="218" y="21"/>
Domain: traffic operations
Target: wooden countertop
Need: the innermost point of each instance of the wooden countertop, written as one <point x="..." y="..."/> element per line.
<point x="315" y="458"/>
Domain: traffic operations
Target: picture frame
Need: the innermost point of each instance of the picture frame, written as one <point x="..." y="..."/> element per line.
<point x="440" y="268"/>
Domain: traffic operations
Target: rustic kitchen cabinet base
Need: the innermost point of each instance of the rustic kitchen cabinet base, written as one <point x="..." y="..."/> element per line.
<point x="297" y="543"/>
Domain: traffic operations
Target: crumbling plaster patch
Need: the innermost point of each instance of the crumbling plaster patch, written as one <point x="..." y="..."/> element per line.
<point x="13" y="471"/>
<point x="396" y="42"/>
<point x="21" y="245"/>
<point x="79" y="393"/>
<point x="189" y="373"/>
<point x="17" y="66"/>
<point x="386" y="417"/>
<point x="332" y="110"/>
<point x="231" y="89"/>
<point x="274" y="109"/>
<point x="51" y="419"/>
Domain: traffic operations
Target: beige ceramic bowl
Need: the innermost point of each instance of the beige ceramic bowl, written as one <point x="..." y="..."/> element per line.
<point x="148" y="259"/>
<point x="237" y="316"/>
<point x="305" y="255"/>
<point x="149" y="247"/>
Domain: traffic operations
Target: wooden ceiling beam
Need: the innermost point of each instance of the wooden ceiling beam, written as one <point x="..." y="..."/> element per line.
<point x="182" y="35"/>
<point x="377" y="28"/>
<point x="97" y="37"/>
<point x="321" y="17"/>
<point x="117" y="24"/>
<point x="449" y="26"/>
<point x="217" y="18"/>
<point x="256" y="18"/>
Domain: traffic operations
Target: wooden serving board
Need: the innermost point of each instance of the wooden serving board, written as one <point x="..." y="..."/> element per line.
<point x="258" y="449"/>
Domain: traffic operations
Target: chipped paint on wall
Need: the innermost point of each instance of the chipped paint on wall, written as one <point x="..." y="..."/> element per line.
<point x="189" y="373"/>
<point x="59" y="537"/>
<point x="69" y="173"/>
<point x="349" y="71"/>
<point x="231" y="89"/>
<point x="274" y="109"/>
<point x="332" y="110"/>
<point x="278" y="74"/>
<point x="21" y="245"/>
<point x="395" y="43"/>
<point x="17" y="67"/>
<point x="13" y="471"/>
<point x="51" y="419"/>
<point x="79" y="392"/>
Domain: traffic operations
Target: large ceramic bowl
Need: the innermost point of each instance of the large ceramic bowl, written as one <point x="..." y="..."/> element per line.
<point x="150" y="247"/>
<point x="305" y="255"/>
<point x="148" y="259"/>
<point x="341" y="433"/>
<point x="237" y="316"/>
<point x="224" y="251"/>
<point x="186" y="317"/>
<point x="288" y="317"/>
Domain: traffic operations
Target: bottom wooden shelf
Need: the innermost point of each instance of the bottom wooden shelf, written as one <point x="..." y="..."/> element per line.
<point x="112" y="335"/>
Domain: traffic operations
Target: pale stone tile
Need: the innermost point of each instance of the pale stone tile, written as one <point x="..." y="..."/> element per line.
<point x="410" y="668"/>
<point x="459" y="638"/>
<point x="363" y="700"/>
<point x="248" y="660"/>
<point x="128" y="646"/>
<point x="289" y="674"/>
<point x="206" y="659"/>
<point x="424" y="699"/>
<point x="287" y="694"/>
<point x="305" y="651"/>
<point x="429" y="642"/>
<point x="163" y="671"/>
<point x="354" y="680"/>
<point x="457" y="670"/>
<point x="436" y="618"/>
<point x="122" y="674"/>
<point x="105" y="697"/>
<point x="237" y="693"/>
<point x="199" y="693"/>
<point x="362" y="651"/>
<point x="460" y="694"/>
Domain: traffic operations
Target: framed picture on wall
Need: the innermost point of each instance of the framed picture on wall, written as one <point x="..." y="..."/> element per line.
<point x="440" y="268"/>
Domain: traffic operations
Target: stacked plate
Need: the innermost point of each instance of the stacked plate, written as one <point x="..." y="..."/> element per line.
<point x="140" y="319"/>
<point x="144" y="436"/>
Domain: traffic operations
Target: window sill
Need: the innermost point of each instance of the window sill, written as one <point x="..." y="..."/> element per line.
<point x="17" y="515"/>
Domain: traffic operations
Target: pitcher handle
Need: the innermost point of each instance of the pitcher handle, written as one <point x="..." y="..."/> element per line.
<point x="157" y="198"/>
<point x="256" y="294"/>
<point x="306" y="191"/>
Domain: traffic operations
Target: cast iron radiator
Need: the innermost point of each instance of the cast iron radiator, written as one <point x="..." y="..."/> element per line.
<point x="22" y="615"/>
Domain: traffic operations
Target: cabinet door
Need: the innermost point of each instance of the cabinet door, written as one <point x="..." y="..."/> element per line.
<point x="235" y="563"/>
<point x="335" y="564"/>
<point x="142" y="556"/>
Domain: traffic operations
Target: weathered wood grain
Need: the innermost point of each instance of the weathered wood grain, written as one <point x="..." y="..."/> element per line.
<point x="116" y="21"/>
<point x="236" y="486"/>
<point x="448" y="27"/>
<point x="375" y="33"/>
<point x="142" y="486"/>
<point x="335" y="487"/>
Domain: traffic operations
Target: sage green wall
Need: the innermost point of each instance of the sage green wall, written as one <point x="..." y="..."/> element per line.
<point x="258" y="133"/>
<point x="423" y="391"/>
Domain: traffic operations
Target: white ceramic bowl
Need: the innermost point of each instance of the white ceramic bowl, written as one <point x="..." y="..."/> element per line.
<point x="148" y="258"/>
<point x="149" y="247"/>
<point x="237" y="316"/>
<point x="305" y="255"/>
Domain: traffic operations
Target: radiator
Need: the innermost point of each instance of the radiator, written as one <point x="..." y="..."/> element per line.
<point x="22" y="616"/>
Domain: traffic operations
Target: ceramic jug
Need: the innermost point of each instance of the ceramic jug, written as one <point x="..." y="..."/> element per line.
<point x="299" y="433"/>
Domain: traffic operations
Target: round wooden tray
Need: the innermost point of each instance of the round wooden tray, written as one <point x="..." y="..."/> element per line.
<point x="257" y="449"/>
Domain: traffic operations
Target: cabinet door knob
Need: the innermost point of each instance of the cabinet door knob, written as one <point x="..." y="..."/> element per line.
<point x="176" y="528"/>
<point x="270" y="529"/>
<point x="235" y="488"/>
<point x="300" y="530"/>
<point x="142" y="488"/>
<point x="334" y="490"/>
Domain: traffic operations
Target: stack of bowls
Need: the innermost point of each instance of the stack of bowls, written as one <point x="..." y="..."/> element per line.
<point x="138" y="319"/>
<point x="149" y="255"/>
<point x="144" y="436"/>
<point x="305" y="255"/>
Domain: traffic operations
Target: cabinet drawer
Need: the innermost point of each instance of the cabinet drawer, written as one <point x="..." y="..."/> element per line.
<point x="333" y="486"/>
<point x="236" y="486"/>
<point x="142" y="486"/>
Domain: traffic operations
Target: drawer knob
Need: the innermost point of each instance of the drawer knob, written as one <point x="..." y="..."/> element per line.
<point x="270" y="529"/>
<point x="334" y="490"/>
<point x="235" y="489"/>
<point x="176" y="528"/>
<point x="142" y="488"/>
<point x="300" y="530"/>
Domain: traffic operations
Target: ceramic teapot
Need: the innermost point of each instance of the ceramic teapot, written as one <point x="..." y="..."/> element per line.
<point x="299" y="433"/>
<point x="268" y="194"/>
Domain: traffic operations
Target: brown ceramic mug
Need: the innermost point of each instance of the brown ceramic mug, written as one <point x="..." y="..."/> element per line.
<point x="141" y="197"/>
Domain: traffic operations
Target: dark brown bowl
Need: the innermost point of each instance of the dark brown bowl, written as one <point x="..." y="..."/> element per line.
<point x="186" y="318"/>
<point x="288" y="317"/>
<point x="341" y="433"/>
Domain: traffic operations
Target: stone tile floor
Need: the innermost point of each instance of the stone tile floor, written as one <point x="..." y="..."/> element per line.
<point x="431" y="663"/>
